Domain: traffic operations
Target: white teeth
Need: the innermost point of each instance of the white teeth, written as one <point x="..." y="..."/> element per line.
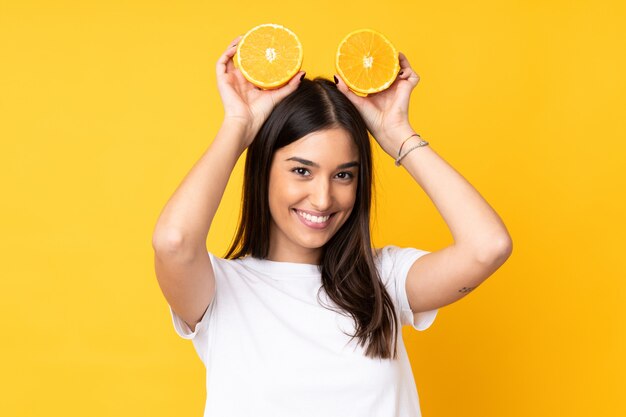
<point x="313" y="219"/>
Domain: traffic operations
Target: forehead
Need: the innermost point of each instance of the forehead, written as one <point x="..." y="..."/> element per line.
<point x="323" y="146"/>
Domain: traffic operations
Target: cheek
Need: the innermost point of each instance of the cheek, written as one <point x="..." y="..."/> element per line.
<point x="283" y="194"/>
<point x="348" y="196"/>
<point x="349" y="199"/>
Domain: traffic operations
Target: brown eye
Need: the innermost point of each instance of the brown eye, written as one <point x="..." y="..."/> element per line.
<point x="349" y="175"/>
<point x="298" y="171"/>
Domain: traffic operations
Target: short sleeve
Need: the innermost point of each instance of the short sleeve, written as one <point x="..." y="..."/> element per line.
<point x="200" y="337"/>
<point x="183" y="330"/>
<point x="396" y="262"/>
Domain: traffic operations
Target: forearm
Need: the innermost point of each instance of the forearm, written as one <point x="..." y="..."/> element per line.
<point x="473" y="223"/>
<point x="186" y="218"/>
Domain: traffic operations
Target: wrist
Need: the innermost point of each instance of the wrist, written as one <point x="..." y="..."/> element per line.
<point x="241" y="128"/>
<point x="393" y="138"/>
<point x="408" y="146"/>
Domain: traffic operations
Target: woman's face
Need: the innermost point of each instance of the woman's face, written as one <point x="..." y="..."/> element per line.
<point x="317" y="174"/>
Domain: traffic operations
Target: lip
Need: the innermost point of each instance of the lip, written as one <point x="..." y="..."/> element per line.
<point x="312" y="225"/>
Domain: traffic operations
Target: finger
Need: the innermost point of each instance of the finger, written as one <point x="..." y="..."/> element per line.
<point x="221" y="67"/>
<point x="235" y="41"/>
<point x="341" y="86"/>
<point x="290" y="87"/>
<point x="406" y="72"/>
<point x="404" y="62"/>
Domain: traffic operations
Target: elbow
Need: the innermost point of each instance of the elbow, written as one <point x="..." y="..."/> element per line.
<point x="167" y="242"/>
<point x="174" y="245"/>
<point x="505" y="250"/>
<point x="497" y="252"/>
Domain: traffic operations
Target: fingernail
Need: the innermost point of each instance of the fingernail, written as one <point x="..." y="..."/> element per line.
<point x="336" y="80"/>
<point x="302" y="77"/>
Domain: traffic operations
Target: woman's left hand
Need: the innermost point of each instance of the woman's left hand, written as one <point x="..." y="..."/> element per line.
<point x="386" y="113"/>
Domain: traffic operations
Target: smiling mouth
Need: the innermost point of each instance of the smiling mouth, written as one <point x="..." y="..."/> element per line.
<point x="314" y="221"/>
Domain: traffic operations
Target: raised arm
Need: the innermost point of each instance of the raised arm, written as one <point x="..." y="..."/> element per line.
<point x="182" y="264"/>
<point x="481" y="241"/>
<point x="181" y="261"/>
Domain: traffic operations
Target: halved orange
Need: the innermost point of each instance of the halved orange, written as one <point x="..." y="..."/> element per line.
<point x="367" y="62"/>
<point x="269" y="55"/>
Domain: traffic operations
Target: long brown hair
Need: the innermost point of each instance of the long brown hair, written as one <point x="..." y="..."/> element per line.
<point x="348" y="271"/>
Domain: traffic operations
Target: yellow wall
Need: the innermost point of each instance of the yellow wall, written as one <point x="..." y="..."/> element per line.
<point x="105" y="107"/>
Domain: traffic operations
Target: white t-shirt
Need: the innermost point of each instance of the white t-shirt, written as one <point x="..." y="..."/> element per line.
<point x="271" y="350"/>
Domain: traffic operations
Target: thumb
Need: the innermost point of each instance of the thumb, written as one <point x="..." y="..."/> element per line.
<point x="291" y="86"/>
<point x="341" y="86"/>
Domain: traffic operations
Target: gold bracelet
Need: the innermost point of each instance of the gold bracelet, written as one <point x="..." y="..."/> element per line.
<point x="419" y="145"/>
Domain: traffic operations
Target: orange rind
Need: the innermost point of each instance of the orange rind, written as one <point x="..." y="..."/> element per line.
<point x="269" y="55"/>
<point x="367" y="62"/>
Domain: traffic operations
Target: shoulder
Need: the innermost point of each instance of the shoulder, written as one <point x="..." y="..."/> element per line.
<point x="391" y="253"/>
<point x="396" y="260"/>
<point x="225" y="266"/>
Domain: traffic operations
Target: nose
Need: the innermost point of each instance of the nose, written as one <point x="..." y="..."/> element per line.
<point x="320" y="195"/>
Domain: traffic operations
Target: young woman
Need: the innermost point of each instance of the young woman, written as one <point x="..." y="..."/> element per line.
<point x="302" y="316"/>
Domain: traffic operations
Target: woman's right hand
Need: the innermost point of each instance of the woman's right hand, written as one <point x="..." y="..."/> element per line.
<point x="244" y="103"/>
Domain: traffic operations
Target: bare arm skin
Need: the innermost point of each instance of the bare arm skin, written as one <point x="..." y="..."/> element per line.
<point x="181" y="260"/>
<point x="481" y="242"/>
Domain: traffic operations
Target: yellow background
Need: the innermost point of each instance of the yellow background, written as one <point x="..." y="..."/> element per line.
<point x="105" y="107"/>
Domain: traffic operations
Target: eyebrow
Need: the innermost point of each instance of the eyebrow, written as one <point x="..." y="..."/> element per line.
<point x="313" y="164"/>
